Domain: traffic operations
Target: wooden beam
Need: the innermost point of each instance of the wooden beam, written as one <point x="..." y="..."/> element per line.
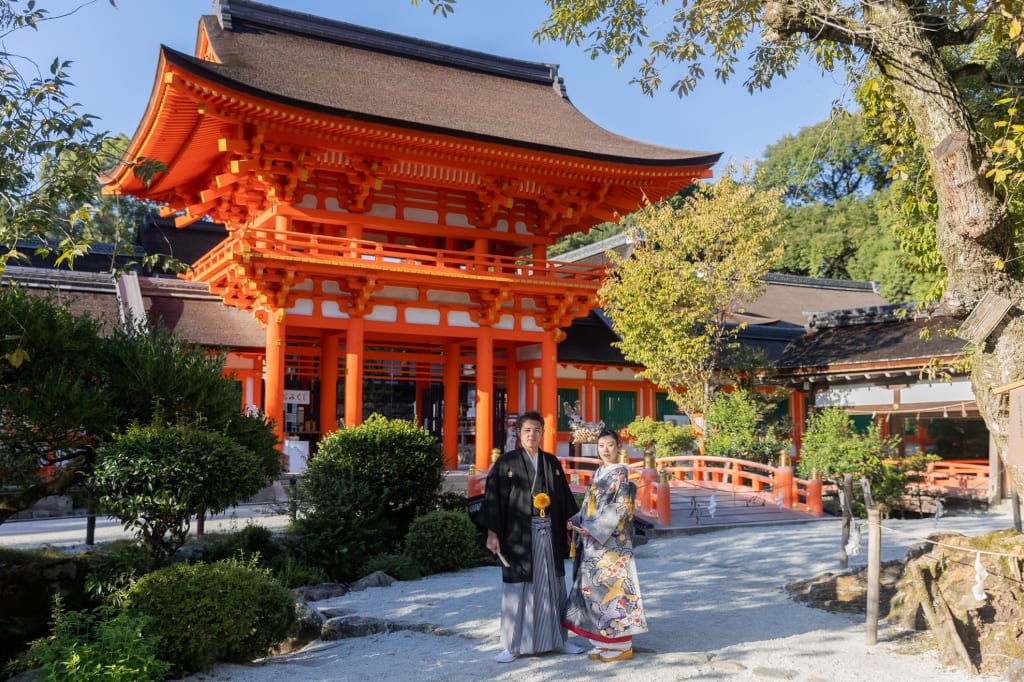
<point x="209" y="195"/>
<point x="239" y="166"/>
<point x="225" y="144"/>
<point x="225" y="179"/>
<point x="185" y="220"/>
<point x="201" y="209"/>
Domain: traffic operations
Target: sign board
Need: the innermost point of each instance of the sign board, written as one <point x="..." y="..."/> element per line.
<point x="983" y="319"/>
<point x="1015" y="437"/>
<point x="297" y="452"/>
<point x="297" y="397"/>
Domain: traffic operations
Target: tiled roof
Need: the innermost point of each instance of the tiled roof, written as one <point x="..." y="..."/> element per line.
<point x="339" y="68"/>
<point x="910" y="341"/>
<point x="196" y="315"/>
<point x="187" y="308"/>
<point x="588" y="340"/>
<point x="86" y="293"/>
<point x="787" y="301"/>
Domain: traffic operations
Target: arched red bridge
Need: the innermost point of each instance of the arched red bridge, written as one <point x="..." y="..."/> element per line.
<point x="689" y="493"/>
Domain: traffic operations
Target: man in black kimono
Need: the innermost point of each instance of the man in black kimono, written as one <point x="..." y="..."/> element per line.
<point x="527" y="504"/>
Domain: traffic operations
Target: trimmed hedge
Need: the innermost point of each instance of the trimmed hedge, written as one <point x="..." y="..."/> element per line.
<point x="204" y="613"/>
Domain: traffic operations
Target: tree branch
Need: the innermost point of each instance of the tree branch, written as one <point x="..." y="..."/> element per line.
<point x="785" y="19"/>
<point x="941" y="34"/>
<point x="980" y="71"/>
<point x="26" y="497"/>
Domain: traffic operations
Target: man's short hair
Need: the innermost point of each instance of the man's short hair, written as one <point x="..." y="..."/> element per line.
<point x="532" y="415"/>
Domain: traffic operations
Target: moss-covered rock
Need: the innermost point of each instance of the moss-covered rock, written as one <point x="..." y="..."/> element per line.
<point x="991" y="630"/>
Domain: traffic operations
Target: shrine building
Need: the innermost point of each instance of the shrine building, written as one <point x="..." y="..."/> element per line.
<point x="388" y="203"/>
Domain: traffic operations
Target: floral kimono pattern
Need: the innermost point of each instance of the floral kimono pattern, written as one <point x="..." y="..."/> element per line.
<point x="604" y="603"/>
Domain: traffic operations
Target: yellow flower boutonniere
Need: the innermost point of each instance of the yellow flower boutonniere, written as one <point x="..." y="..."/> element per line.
<point x="541" y="501"/>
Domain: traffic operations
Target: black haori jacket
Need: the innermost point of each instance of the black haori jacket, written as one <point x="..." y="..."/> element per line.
<point x="508" y="507"/>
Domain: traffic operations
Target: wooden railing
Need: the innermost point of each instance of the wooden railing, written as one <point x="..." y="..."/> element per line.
<point x="950" y="477"/>
<point x="957" y="477"/>
<point x="727" y="473"/>
<point x="730" y="473"/>
<point x="285" y="245"/>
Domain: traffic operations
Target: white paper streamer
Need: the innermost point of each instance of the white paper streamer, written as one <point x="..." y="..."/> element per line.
<point x="712" y="506"/>
<point x="853" y="545"/>
<point x="979" y="575"/>
<point x="778" y="500"/>
<point x="939" y="509"/>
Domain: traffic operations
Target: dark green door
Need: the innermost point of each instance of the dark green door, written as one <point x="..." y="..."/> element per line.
<point x="617" y="408"/>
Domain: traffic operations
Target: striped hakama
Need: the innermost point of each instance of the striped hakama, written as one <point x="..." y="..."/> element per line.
<point x="531" y="612"/>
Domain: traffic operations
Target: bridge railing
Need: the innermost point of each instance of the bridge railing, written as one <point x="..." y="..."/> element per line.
<point x="966" y="477"/>
<point x="959" y="477"/>
<point x="727" y="473"/>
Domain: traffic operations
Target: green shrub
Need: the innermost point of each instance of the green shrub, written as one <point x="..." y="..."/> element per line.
<point x="442" y="541"/>
<point x="29" y="580"/>
<point x="115" y="570"/>
<point x="204" y="613"/>
<point x="447" y="501"/>
<point x="668" y="438"/>
<point x="832" y="445"/>
<point x="398" y="566"/>
<point x="252" y="540"/>
<point x="398" y="461"/>
<point x="156" y="478"/>
<point x="356" y="526"/>
<point x="292" y="572"/>
<point x="738" y="424"/>
<point x="87" y="646"/>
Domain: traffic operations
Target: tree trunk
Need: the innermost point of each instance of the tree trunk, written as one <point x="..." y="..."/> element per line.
<point x="973" y="229"/>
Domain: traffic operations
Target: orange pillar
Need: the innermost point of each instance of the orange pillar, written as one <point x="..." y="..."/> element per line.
<point x="797" y="412"/>
<point x="274" y="371"/>
<point x="329" y="383"/>
<point x="549" y="389"/>
<point x="421" y="387"/>
<point x="354" y="372"/>
<point x="664" y="504"/>
<point x="484" y="397"/>
<point x="784" y="485"/>
<point x="450" y="415"/>
<point x="814" y="503"/>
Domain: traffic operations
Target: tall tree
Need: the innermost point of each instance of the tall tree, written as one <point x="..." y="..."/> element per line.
<point x="928" y="59"/>
<point x="691" y="268"/>
<point x="824" y="163"/>
<point x="68" y="387"/>
<point x="38" y="123"/>
<point x="109" y="219"/>
<point x="51" y="154"/>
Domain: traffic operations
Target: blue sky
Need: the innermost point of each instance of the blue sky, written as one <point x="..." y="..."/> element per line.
<point x="114" y="51"/>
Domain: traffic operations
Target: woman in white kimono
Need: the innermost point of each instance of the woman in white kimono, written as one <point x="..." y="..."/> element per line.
<point x="604" y="604"/>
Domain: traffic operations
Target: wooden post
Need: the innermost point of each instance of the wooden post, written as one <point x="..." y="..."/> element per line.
<point x="1015" y="504"/>
<point x="664" y="504"/>
<point x="814" y="504"/>
<point x="844" y="559"/>
<point x="484" y="408"/>
<point x="874" y="572"/>
<point x="90" y="520"/>
<point x="784" y="485"/>
<point x="866" y="485"/>
<point x="648" y="478"/>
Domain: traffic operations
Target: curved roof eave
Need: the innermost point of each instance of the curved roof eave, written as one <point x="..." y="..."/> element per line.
<point x="218" y="74"/>
<point x="214" y="73"/>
